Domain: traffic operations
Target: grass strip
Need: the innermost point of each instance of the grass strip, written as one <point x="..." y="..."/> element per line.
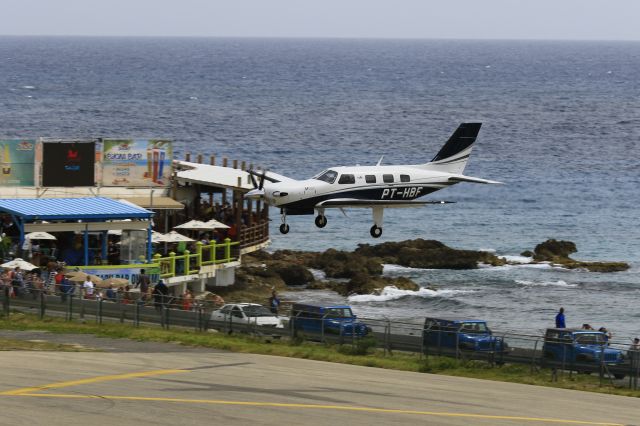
<point x="375" y="358"/>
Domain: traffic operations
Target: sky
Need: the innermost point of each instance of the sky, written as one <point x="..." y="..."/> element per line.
<point x="442" y="19"/>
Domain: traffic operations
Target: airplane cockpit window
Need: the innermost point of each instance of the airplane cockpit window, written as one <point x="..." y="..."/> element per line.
<point x="370" y="178"/>
<point x="387" y="178"/>
<point x="328" y="176"/>
<point x="405" y="178"/>
<point x="347" y="179"/>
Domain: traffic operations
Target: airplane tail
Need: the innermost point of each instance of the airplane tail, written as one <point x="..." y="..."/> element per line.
<point x="453" y="156"/>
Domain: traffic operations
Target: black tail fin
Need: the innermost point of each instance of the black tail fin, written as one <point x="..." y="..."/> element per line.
<point x="464" y="136"/>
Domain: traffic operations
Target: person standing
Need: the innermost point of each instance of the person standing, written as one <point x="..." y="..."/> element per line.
<point x="88" y="288"/>
<point x="634" y="354"/>
<point x="160" y="295"/>
<point x="143" y="282"/>
<point x="274" y="302"/>
<point x="560" y="320"/>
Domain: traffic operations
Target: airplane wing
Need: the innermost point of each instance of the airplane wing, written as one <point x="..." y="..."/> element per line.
<point x="360" y="203"/>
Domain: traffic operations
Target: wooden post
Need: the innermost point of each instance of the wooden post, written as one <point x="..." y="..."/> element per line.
<point x="200" y="158"/>
<point x="187" y="157"/>
<point x="244" y="165"/>
<point x="235" y="164"/>
<point x="224" y="161"/>
<point x="212" y="160"/>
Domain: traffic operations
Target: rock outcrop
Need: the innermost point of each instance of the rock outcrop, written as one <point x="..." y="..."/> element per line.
<point x="558" y="252"/>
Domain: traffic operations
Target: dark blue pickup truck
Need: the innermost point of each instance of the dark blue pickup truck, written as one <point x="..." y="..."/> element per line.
<point x="335" y="320"/>
<point x="471" y="335"/>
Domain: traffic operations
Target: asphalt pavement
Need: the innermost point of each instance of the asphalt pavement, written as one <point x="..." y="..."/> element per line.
<point x="140" y="383"/>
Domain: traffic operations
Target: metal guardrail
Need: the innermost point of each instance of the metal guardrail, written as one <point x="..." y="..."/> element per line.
<point x="191" y="263"/>
<point x="523" y="348"/>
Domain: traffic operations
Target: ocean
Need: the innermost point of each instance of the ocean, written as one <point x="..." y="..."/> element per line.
<point x="561" y="129"/>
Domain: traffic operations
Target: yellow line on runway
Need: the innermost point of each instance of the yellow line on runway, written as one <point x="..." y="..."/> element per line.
<point x="321" y="407"/>
<point x="91" y="380"/>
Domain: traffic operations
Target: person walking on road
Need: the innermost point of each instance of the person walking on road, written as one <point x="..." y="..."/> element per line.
<point x="560" y="323"/>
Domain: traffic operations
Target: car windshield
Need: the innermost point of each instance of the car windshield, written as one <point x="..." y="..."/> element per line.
<point x="339" y="313"/>
<point x="328" y="176"/>
<point x="473" y="327"/>
<point x="590" y="338"/>
<point x="257" y="311"/>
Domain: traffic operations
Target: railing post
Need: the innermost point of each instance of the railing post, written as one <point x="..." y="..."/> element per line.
<point x="227" y="249"/>
<point x="172" y="264"/>
<point x="199" y="254"/>
<point x="187" y="262"/>
<point x="213" y="251"/>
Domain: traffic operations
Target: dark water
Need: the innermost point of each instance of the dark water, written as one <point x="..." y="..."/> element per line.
<point x="561" y="129"/>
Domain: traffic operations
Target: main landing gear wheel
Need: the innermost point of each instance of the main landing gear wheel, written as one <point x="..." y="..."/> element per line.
<point x="375" y="231"/>
<point x="321" y="221"/>
<point x="284" y="228"/>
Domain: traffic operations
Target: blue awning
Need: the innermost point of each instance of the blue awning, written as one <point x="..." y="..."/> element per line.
<point x="90" y="209"/>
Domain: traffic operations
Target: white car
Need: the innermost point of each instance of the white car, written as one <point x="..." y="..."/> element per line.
<point x="247" y="313"/>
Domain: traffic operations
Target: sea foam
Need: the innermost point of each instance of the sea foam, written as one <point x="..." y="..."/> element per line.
<point x="394" y="293"/>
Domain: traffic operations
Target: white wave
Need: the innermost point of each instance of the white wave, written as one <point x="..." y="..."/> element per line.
<point x="518" y="259"/>
<point x="193" y="98"/>
<point x="487" y="250"/>
<point x="29" y="87"/>
<point x="559" y="283"/>
<point x="318" y="274"/>
<point x="390" y="268"/>
<point x="394" y="293"/>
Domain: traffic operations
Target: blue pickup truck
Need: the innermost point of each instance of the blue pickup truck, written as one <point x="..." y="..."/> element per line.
<point x="582" y="349"/>
<point x="470" y="335"/>
<point x="334" y="320"/>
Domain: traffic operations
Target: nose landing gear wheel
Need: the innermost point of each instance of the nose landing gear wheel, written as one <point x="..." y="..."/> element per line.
<point x="321" y="221"/>
<point x="375" y="231"/>
<point x="284" y="228"/>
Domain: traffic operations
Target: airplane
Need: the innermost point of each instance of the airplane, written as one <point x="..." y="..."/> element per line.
<point x="375" y="187"/>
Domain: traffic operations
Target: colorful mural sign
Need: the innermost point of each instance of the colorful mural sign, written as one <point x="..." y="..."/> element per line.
<point x="136" y="162"/>
<point x="16" y="161"/>
<point x="128" y="272"/>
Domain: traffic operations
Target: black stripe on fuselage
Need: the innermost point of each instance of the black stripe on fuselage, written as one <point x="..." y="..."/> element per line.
<point x="389" y="193"/>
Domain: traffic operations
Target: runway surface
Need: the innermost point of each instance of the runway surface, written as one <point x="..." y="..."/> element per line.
<point x="133" y="383"/>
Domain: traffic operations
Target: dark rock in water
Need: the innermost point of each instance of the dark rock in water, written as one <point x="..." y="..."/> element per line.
<point x="553" y="249"/>
<point x="428" y="254"/>
<point x="291" y="273"/>
<point x="342" y="264"/>
<point x="527" y="253"/>
<point x="558" y="252"/>
<point x="362" y="283"/>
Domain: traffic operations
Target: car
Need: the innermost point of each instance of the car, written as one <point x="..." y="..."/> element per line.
<point x="247" y="313"/>
<point x="571" y="346"/>
<point x="469" y="335"/>
<point x="334" y="320"/>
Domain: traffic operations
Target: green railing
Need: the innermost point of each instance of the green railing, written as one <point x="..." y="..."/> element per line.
<point x="190" y="263"/>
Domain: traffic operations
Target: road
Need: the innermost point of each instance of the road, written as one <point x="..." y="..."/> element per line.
<point x="134" y="383"/>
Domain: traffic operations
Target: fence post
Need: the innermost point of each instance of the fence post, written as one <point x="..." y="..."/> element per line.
<point x="81" y="306"/>
<point x="172" y="264"/>
<point x="42" y="305"/>
<point x="136" y="314"/>
<point x="99" y="314"/>
<point x="166" y="317"/>
<point x="70" y="308"/>
<point x="6" y="304"/>
<point x="533" y="358"/>
<point x="322" y="328"/>
<point x="227" y="250"/>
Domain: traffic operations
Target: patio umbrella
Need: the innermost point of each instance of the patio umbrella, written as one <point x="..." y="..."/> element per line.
<point x="19" y="263"/>
<point x="158" y="237"/>
<point x="175" y="237"/>
<point x="216" y="224"/>
<point x="80" y="277"/>
<point x="40" y="236"/>
<point x="195" y="225"/>
<point x="116" y="282"/>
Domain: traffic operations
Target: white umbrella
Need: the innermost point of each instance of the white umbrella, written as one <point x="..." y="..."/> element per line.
<point x="158" y="237"/>
<point x="40" y="236"/>
<point x="195" y="225"/>
<point x="216" y="224"/>
<point x="19" y="263"/>
<point x="174" y="237"/>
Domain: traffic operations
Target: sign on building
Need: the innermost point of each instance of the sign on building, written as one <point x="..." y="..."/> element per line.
<point x="68" y="163"/>
<point x="129" y="162"/>
<point x="17" y="162"/>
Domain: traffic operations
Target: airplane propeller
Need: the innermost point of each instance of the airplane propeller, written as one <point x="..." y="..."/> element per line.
<point x="258" y="186"/>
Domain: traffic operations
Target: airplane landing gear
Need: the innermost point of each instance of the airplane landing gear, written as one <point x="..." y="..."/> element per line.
<point x="321" y="221"/>
<point x="284" y="228"/>
<point x="375" y="231"/>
